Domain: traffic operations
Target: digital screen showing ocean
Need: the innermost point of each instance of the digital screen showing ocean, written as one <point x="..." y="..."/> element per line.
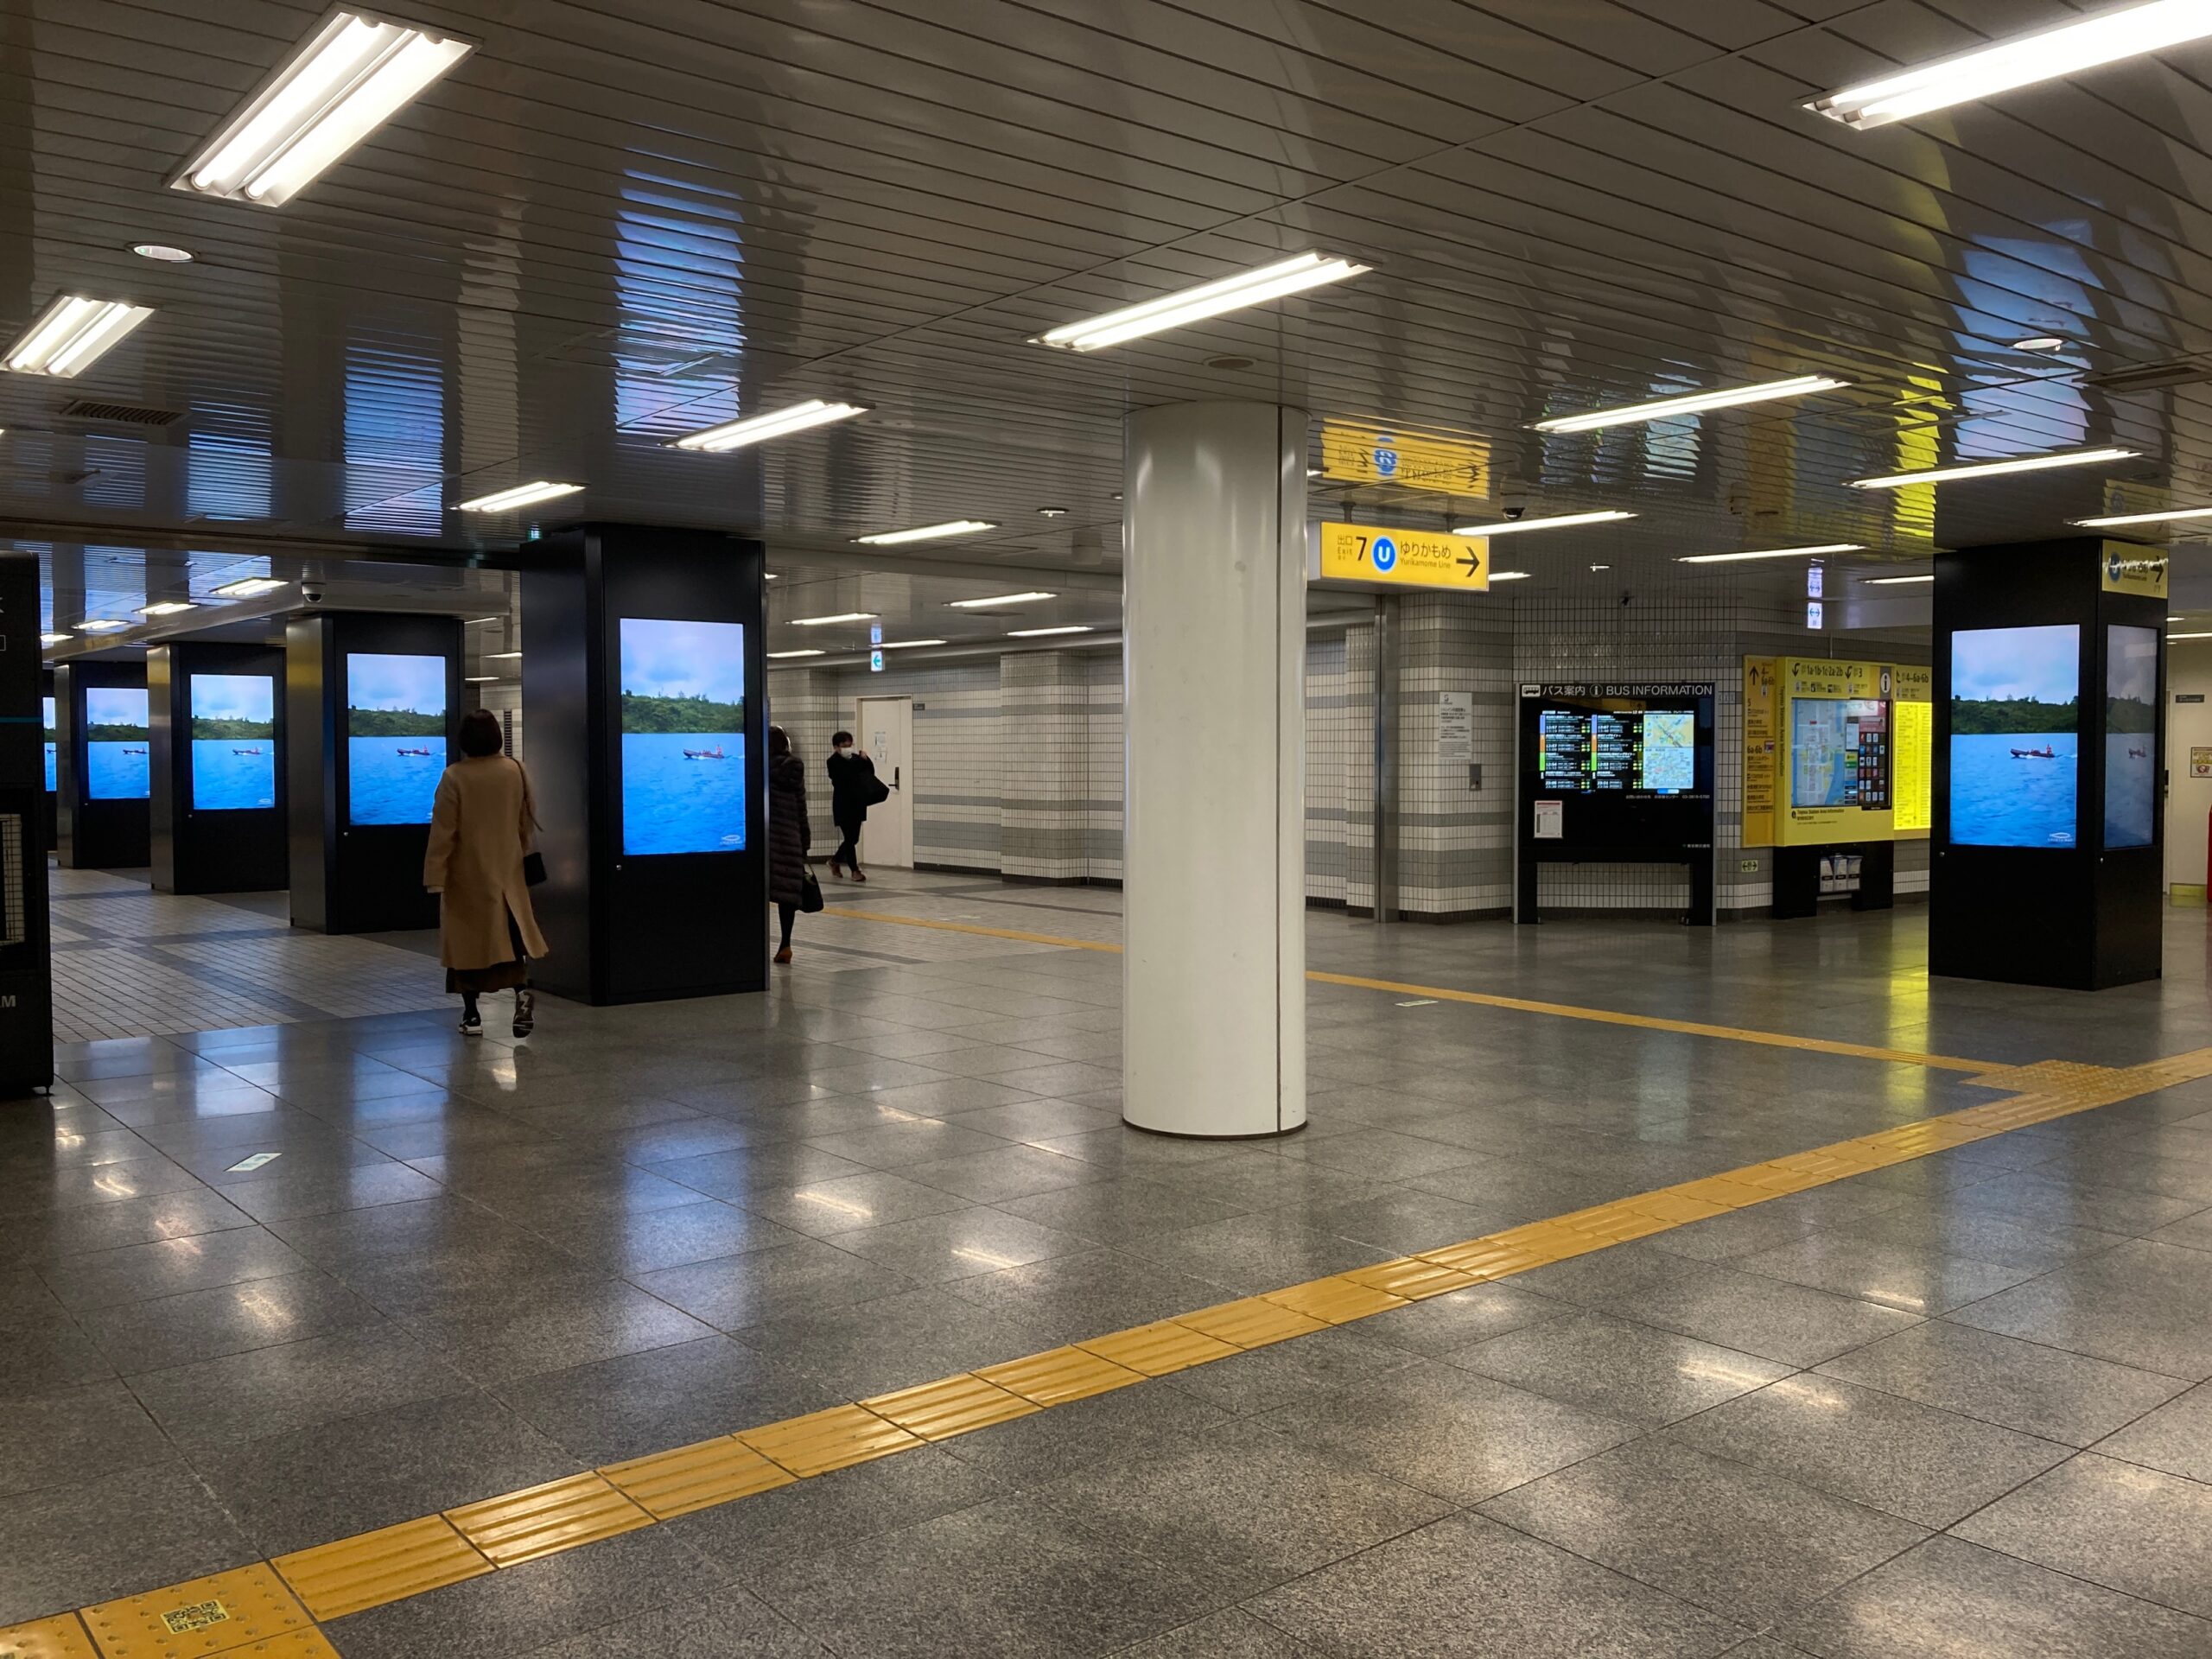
<point x="682" y="688"/>
<point x="115" y="743"/>
<point x="233" y="742"/>
<point x="395" y="736"/>
<point x="2015" y="721"/>
<point x="2130" y="744"/>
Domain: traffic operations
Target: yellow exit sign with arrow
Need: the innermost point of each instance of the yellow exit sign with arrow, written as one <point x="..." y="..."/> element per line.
<point x="1404" y="558"/>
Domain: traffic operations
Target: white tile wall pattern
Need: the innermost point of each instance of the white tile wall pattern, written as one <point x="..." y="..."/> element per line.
<point x="1044" y="724"/>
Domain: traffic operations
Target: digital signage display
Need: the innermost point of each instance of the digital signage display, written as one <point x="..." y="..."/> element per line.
<point x="2016" y="707"/>
<point x="395" y="736"/>
<point x="115" y="744"/>
<point x="2130" y="749"/>
<point x="1838" y="752"/>
<point x="51" y="782"/>
<point x="683" y="736"/>
<point x="1617" y="751"/>
<point x="233" y="742"/>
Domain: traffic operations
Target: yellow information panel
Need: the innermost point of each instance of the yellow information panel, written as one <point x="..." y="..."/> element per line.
<point x="1404" y="558"/>
<point x="1835" y="751"/>
<point x="2126" y="568"/>
<point x="1355" y="453"/>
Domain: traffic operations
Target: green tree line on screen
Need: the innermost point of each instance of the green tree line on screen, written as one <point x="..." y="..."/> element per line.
<point x="112" y="732"/>
<point x="211" y="726"/>
<point x="2130" y="715"/>
<point x="2013" y="716"/>
<point x="648" y="714"/>
<point x="393" y="722"/>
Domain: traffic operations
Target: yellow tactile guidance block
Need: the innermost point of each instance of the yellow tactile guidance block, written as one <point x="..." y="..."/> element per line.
<point x="47" y="1638"/>
<point x="545" y="1520"/>
<point x="669" y="1483"/>
<point x="1335" y="1300"/>
<point x="372" y="1568"/>
<point x="1160" y="1348"/>
<point x="198" y="1618"/>
<point x="957" y="1405"/>
<point x="823" y="1441"/>
<point x="1059" y="1376"/>
<point x="1253" y="1323"/>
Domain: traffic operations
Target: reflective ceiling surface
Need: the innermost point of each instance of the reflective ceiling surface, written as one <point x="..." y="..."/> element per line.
<point x="611" y="225"/>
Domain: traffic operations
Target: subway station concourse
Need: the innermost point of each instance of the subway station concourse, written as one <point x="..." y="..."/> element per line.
<point x="1351" y="831"/>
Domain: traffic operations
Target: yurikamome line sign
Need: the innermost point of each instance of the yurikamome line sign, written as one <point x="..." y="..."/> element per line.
<point x="1401" y="558"/>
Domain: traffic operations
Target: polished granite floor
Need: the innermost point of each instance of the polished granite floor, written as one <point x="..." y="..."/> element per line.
<point x="1959" y="1405"/>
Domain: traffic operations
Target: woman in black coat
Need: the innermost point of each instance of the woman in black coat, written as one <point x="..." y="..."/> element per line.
<point x="853" y="790"/>
<point x="789" y="833"/>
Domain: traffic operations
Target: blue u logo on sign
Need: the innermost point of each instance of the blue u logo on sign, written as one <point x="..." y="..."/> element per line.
<point x="1386" y="553"/>
<point x="1386" y="461"/>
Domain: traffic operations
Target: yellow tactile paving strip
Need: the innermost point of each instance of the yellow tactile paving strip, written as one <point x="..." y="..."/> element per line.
<point x="351" y="1575"/>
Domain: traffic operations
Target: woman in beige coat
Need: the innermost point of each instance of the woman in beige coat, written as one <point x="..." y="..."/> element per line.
<point x="480" y="828"/>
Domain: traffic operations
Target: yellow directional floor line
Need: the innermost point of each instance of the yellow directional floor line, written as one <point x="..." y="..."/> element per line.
<point x="249" y="1611"/>
<point x="1486" y="1000"/>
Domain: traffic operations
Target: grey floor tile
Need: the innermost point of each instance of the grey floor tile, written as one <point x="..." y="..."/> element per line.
<point x="894" y="1342"/>
<point x="1632" y="1372"/>
<point x="226" y="1320"/>
<point x="1267" y="1379"/>
<point x="1463" y="1437"/>
<point x="1013" y="1172"/>
<point x="72" y="1435"/>
<point x="2177" y="1437"/>
<point x="495" y="1334"/>
<point x="1467" y="1588"/>
<point x="1912" y="1278"/>
<point x="1234" y="1634"/>
<point x="899" y="1146"/>
<point x="742" y="1290"/>
<point x="1255" y="1253"/>
<point x="168" y="1267"/>
<point x="318" y="1192"/>
<point x="1134" y="1423"/>
<point x="825" y="1209"/>
<point x="2140" y="1304"/>
<point x="1116" y="1211"/>
<point x="91" y="1541"/>
<point x="722" y="1623"/>
<point x="1793" y="1324"/>
<point x="270" y="1390"/>
<point x="1749" y="1545"/>
<point x="669" y="1237"/>
<point x="1874" y="1448"/>
<point x="1443" y="1324"/>
<point x="48" y="1353"/>
<point x="959" y="1244"/>
<point x="90" y="1228"/>
<point x="1944" y="1594"/>
<point x="2023" y="1385"/>
<point x="2118" y="1524"/>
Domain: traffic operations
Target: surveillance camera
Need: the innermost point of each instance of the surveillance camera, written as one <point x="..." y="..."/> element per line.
<point x="311" y="591"/>
<point x="1515" y="511"/>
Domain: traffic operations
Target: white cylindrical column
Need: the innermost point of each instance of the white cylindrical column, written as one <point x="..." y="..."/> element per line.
<point x="1213" y="841"/>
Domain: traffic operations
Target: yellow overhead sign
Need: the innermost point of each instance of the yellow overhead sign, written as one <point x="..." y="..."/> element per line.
<point x="1378" y="454"/>
<point x="1404" y="558"/>
<point x="2127" y="569"/>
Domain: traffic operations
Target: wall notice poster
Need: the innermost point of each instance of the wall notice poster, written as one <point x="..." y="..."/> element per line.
<point x="1455" y="728"/>
<point x="683" y="736"/>
<point x="2130" y="740"/>
<point x="1759" y="741"/>
<point x="1835" y="751"/>
<point x="2016" y="721"/>
<point x="395" y="736"/>
<point x="233" y="742"/>
<point x="51" y="781"/>
<point x="2200" y="763"/>
<point x="116" y="768"/>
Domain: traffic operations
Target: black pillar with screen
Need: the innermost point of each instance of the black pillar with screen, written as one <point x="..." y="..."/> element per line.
<point x="102" y="765"/>
<point x="26" y="966"/>
<point x="372" y="711"/>
<point x="2048" y="770"/>
<point x="52" y="754"/>
<point x="217" y="807"/>
<point x="646" y="739"/>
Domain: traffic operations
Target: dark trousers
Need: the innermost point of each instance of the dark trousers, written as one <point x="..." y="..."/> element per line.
<point x="787" y="914"/>
<point x="849" y="850"/>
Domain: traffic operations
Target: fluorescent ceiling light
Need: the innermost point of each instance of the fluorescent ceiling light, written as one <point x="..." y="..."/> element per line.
<point x="477" y="621"/>
<point x="2190" y="636"/>
<point x="1892" y="581"/>
<point x="903" y="644"/>
<point x="1695" y="403"/>
<point x="522" y="495"/>
<point x="350" y="78"/>
<point x="479" y="679"/>
<point x="250" y="588"/>
<point x="1273" y="282"/>
<point x="500" y="656"/>
<point x="925" y="533"/>
<point x="1001" y="599"/>
<point x="1772" y="553"/>
<point x="1510" y="575"/>
<point x="54" y="639"/>
<point x="1991" y="468"/>
<point x="2177" y="619"/>
<point x="167" y="607"/>
<point x="72" y="335"/>
<point x="101" y="625"/>
<point x="2167" y="517"/>
<point x="2039" y="343"/>
<point x="2021" y="61"/>
<point x="1038" y="633"/>
<point x="776" y="656"/>
<point x="1557" y="521"/>
<point x="824" y="621"/>
<point x="163" y="251"/>
<point x="758" y="428"/>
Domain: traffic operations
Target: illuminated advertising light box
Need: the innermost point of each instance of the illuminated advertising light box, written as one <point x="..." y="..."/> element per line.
<point x="395" y="736"/>
<point x="1835" y="751"/>
<point x="683" y="686"/>
<point x="2131" y="737"/>
<point x="2016" y="708"/>
<point x="233" y="742"/>
<point x="51" y="783"/>
<point x="116" y="768"/>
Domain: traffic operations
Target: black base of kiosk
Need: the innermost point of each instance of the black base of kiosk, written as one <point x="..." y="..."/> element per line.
<point x="1804" y="876"/>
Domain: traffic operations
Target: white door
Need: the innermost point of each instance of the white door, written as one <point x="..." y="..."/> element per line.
<point x="885" y="726"/>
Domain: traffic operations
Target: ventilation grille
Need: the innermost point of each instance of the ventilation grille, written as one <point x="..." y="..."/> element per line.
<point x="92" y="409"/>
<point x="2151" y="377"/>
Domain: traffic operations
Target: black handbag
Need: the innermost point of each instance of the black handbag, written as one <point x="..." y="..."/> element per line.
<point x="810" y="893"/>
<point x="878" y="791"/>
<point x="533" y="869"/>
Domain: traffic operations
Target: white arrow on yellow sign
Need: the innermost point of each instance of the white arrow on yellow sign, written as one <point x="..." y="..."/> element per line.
<point x="1404" y="558"/>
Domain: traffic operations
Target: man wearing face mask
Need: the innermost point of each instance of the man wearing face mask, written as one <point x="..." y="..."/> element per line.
<point x="854" y="788"/>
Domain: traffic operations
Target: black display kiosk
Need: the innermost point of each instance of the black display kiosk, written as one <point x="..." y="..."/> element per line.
<point x="1614" y="772"/>
<point x="25" y="962"/>
<point x="656" y="869"/>
<point x="216" y="806"/>
<point x="2049" y="841"/>
<point x="100" y="807"/>
<point x="372" y="707"/>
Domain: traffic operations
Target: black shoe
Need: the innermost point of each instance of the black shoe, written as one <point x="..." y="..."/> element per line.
<point x="526" y="1013"/>
<point x="472" y="1023"/>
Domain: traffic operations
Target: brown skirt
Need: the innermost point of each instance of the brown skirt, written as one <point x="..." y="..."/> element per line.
<point x="501" y="975"/>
